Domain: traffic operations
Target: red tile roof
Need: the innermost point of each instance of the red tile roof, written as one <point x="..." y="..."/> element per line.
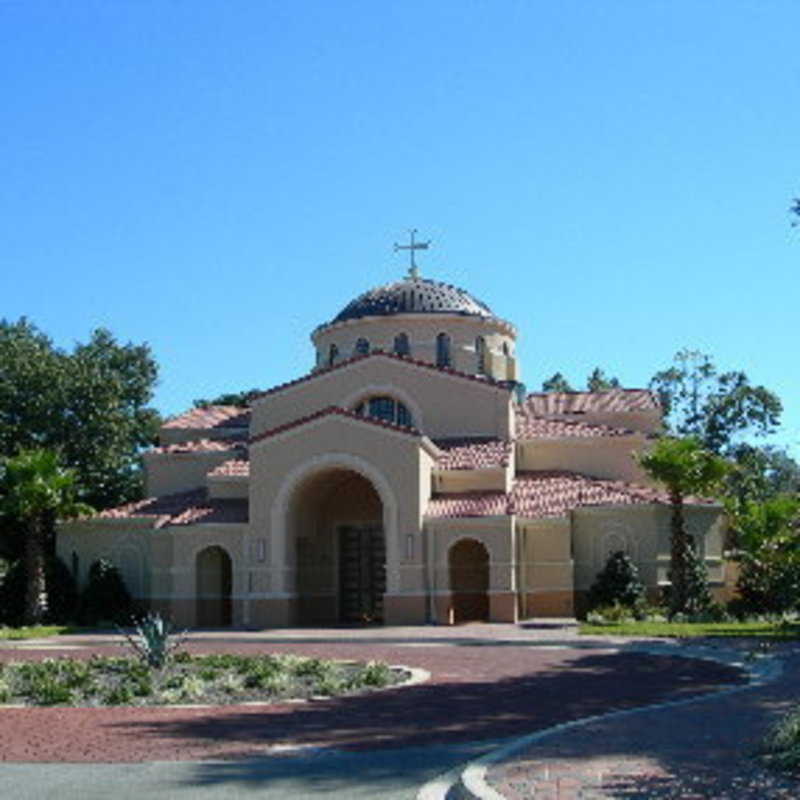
<point x="543" y="404"/>
<point x="547" y="494"/>
<point x="182" y="508"/>
<point x="201" y="446"/>
<point x="210" y="417"/>
<point x="236" y="467"/>
<point x="473" y="453"/>
<point x="528" y="426"/>
<point x="342" y="412"/>
<point x="487" y="381"/>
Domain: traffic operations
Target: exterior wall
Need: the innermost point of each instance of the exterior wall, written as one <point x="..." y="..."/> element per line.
<point x="471" y="480"/>
<point x="391" y="461"/>
<point x="546" y="567"/>
<point x="498" y="535"/>
<point x="422" y="330"/>
<point x="228" y="487"/>
<point x="166" y="473"/>
<point x="601" y="457"/>
<point x="442" y="405"/>
<point x="643" y="532"/>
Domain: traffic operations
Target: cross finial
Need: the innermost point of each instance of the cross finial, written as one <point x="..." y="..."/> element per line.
<point x="413" y="272"/>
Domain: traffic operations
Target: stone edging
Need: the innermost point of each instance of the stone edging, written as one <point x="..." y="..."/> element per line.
<point x="469" y="782"/>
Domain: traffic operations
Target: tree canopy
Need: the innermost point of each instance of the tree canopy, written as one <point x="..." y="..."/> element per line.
<point x="241" y="399"/>
<point x="714" y="407"/>
<point x="90" y="405"/>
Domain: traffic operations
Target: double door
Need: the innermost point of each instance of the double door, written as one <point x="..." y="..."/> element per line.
<point x="362" y="573"/>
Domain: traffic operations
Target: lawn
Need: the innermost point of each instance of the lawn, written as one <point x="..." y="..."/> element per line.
<point x="773" y="630"/>
<point x="34" y="631"/>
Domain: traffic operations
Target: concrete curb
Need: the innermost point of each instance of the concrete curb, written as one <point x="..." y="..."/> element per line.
<point x="470" y="782"/>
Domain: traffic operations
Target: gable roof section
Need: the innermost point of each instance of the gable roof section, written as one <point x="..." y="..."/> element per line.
<point x="548" y="494"/>
<point x="334" y="411"/>
<point x="211" y="417"/>
<point x="486" y="381"/>
<point x="542" y="404"/>
<point x="472" y="453"/>
<point x="181" y="508"/>
<point x="528" y="426"/>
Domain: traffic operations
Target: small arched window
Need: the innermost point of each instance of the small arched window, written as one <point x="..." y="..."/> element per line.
<point x="401" y="345"/>
<point x="442" y="350"/>
<point x="333" y="354"/>
<point x="362" y="347"/>
<point x="506" y="349"/>
<point x="386" y="408"/>
<point x="480" y="355"/>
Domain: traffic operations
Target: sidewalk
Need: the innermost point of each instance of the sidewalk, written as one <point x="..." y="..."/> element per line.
<point x="703" y="749"/>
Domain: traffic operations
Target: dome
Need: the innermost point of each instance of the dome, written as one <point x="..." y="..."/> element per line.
<point x="413" y="296"/>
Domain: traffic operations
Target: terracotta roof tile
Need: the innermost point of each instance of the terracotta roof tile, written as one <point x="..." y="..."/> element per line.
<point x="236" y="467"/>
<point x="342" y="412"/>
<point x="548" y="494"/>
<point x="201" y="446"/>
<point x="210" y="417"/>
<point x="182" y="508"/>
<point x="528" y="426"/>
<point x="543" y="404"/>
<point x="473" y="453"/>
<point x="380" y="354"/>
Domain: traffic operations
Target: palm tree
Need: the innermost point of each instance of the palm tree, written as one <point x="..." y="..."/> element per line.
<point x="685" y="468"/>
<point x="36" y="490"/>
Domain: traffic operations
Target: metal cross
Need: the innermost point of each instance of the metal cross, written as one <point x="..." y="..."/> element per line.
<point x="413" y="272"/>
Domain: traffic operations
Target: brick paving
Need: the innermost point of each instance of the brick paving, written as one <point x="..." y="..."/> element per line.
<point x="704" y="749"/>
<point x="480" y="689"/>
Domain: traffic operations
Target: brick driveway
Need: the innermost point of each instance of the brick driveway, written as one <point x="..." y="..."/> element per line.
<point x="487" y="682"/>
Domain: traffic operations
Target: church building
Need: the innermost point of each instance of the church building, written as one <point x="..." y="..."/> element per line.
<point x="407" y="478"/>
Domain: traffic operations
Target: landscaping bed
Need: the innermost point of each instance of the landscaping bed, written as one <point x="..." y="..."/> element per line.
<point x="221" y="679"/>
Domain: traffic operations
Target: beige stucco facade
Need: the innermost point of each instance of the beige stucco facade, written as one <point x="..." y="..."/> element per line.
<point x="386" y="487"/>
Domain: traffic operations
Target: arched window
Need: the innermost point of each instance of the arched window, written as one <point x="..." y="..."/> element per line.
<point x="480" y="353"/>
<point x="506" y="349"/>
<point x="386" y="408"/>
<point x="442" y="350"/>
<point x="401" y="345"/>
<point x="362" y="347"/>
<point x="333" y="354"/>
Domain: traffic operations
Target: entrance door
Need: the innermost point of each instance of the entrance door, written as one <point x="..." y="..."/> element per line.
<point x="362" y="573"/>
<point x="469" y="581"/>
<point x="213" y="571"/>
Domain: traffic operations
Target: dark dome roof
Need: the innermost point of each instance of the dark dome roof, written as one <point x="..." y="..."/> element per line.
<point x="413" y="296"/>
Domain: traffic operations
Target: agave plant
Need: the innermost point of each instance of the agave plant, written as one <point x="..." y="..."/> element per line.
<point x="154" y="641"/>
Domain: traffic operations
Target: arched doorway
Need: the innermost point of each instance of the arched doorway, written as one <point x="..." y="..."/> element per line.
<point x="335" y="526"/>
<point x="214" y="578"/>
<point x="469" y="581"/>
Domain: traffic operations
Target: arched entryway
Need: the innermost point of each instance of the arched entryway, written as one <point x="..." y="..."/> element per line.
<point x="214" y="578"/>
<point x="469" y="581"/>
<point x="335" y="529"/>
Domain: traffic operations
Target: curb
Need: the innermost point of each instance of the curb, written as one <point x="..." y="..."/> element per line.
<point x="469" y="782"/>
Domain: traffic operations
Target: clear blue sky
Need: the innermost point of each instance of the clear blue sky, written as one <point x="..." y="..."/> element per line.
<point x="217" y="178"/>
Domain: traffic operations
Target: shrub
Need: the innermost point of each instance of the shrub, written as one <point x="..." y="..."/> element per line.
<point x="62" y="594"/>
<point x="105" y="597"/>
<point x="153" y="641"/>
<point x="617" y="583"/>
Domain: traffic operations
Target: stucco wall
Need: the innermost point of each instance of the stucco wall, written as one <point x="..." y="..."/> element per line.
<point x="442" y="405"/>
<point x="166" y="473"/>
<point x="601" y="457"/>
<point x="422" y="330"/>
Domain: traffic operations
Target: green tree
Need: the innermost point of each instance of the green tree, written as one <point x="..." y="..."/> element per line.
<point x="557" y="383"/>
<point x="713" y="407"/>
<point x="241" y="399"/>
<point x="599" y="382"/>
<point x="617" y="582"/>
<point x="36" y="491"/>
<point x="685" y="468"/>
<point x="760" y="473"/>
<point x="90" y="405"/>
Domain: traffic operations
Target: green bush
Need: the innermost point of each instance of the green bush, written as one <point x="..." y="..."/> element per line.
<point x="105" y="596"/>
<point x="62" y="594"/>
<point x="617" y="583"/>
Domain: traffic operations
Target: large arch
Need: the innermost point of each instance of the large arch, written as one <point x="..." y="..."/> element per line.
<point x="330" y="510"/>
<point x="468" y="565"/>
<point x="214" y="583"/>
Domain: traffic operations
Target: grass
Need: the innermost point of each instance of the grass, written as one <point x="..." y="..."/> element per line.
<point x="186" y="679"/>
<point x="772" y="630"/>
<point x="34" y="631"/>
